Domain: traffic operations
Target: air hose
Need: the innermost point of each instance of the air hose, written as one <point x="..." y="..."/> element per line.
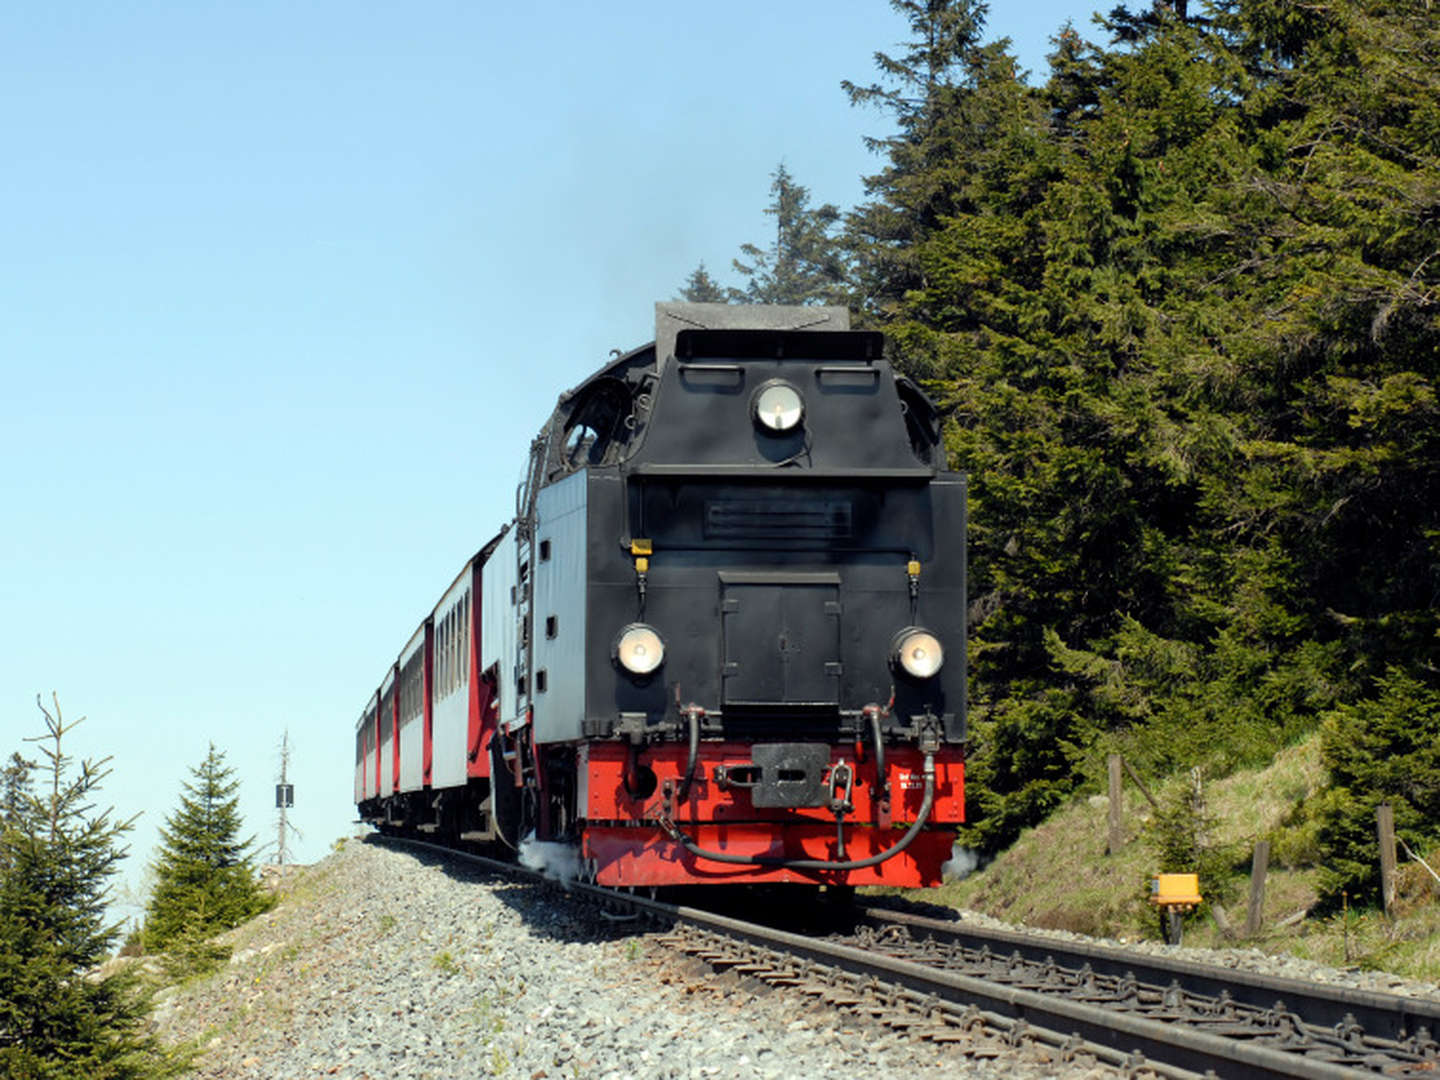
<point x="779" y="861"/>
<point x="693" y="713"/>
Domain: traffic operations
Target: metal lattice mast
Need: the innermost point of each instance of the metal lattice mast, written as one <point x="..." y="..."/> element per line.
<point x="284" y="799"/>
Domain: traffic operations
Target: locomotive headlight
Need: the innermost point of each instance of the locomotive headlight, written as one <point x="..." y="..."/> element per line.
<point x="639" y="649"/>
<point x="918" y="652"/>
<point x="778" y="406"/>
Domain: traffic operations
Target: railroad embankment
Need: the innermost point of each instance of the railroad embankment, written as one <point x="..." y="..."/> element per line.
<point x="1059" y="876"/>
<point x="381" y="963"/>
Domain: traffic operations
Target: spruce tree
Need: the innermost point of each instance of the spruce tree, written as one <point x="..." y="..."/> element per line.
<point x="803" y="264"/>
<point x="1181" y="304"/>
<point x="14" y="786"/>
<point x="1385" y="748"/>
<point x="701" y="288"/>
<point x="205" y="881"/>
<point x="58" y="1020"/>
<point x="927" y="91"/>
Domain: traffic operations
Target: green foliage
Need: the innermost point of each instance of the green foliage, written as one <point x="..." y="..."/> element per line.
<point x="192" y="953"/>
<point x="1184" y="833"/>
<point x="1180" y="304"/>
<point x="804" y="264"/>
<point x="204" y="879"/>
<point x="445" y="963"/>
<point x="1384" y="748"/>
<point x="701" y="288"/>
<point x="58" y="1020"/>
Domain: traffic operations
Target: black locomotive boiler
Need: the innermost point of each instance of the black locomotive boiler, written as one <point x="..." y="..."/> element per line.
<point x="723" y="639"/>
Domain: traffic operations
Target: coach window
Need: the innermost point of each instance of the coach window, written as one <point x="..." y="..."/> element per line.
<point x="439" y="647"/>
<point x="450" y="651"/>
<point x="462" y="668"/>
<point x="552" y="626"/>
<point x="544" y="550"/>
<point x="540" y="680"/>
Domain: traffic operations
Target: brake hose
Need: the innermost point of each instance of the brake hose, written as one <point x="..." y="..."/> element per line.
<point x="693" y="713"/>
<point x="673" y="831"/>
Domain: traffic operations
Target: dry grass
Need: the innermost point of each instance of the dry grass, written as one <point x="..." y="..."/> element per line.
<point x="1059" y="876"/>
<point x="1406" y="943"/>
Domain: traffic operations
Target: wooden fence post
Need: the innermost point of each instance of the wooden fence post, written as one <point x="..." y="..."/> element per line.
<point x="1117" y="806"/>
<point x="1385" y="829"/>
<point x="1259" y="866"/>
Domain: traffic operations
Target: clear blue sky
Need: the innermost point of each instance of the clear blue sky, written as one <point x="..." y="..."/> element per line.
<point x="285" y="291"/>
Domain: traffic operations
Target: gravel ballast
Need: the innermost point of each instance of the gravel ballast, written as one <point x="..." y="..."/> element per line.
<point x="384" y="963"/>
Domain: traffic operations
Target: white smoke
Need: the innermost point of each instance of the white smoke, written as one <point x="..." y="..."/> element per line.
<point x="558" y="861"/>
<point x="962" y="863"/>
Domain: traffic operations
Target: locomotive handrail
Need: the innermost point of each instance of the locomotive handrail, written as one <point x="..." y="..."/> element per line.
<point x="917" y="472"/>
<point x="720" y="369"/>
<point x="780" y="862"/>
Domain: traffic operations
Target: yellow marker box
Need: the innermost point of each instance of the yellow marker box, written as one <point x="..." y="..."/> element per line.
<point x="1174" y="890"/>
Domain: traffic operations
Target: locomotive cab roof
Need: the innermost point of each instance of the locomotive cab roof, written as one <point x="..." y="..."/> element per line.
<point x="688" y="403"/>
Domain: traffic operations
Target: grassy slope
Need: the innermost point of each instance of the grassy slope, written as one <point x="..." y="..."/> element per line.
<point x="1058" y="876"/>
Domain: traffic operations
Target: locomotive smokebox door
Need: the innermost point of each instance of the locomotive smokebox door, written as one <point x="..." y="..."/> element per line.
<point x="791" y="775"/>
<point x="782" y="639"/>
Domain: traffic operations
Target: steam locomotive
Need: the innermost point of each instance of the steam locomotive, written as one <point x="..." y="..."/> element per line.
<point x="723" y="639"/>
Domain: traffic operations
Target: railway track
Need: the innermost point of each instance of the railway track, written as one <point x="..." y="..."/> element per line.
<point x="1352" y="1022"/>
<point x="986" y="990"/>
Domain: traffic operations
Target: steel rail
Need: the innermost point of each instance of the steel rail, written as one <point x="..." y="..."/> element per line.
<point x="1122" y="1033"/>
<point x="1385" y="1016"/>
<point x="1112" y="1036"/>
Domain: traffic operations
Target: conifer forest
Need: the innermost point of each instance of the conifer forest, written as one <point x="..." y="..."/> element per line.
<point x="1178" y="298"/>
